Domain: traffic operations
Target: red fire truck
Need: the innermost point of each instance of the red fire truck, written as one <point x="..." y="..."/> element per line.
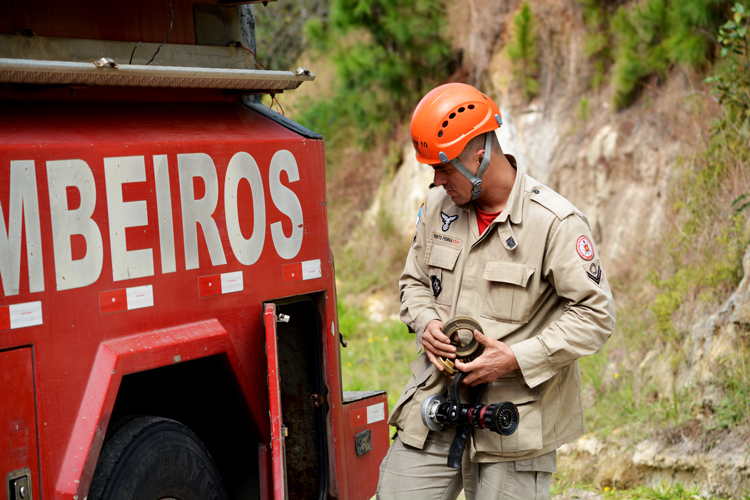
<point x="168" y="324"/>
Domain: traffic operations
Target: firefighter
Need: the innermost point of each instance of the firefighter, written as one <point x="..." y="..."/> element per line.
<point x="497" y="246"/>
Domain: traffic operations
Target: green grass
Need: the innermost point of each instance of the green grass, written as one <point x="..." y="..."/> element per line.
<point x="378" y="353"/>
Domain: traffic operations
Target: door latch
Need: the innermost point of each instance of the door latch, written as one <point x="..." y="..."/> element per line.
<point x="19" y="484"/>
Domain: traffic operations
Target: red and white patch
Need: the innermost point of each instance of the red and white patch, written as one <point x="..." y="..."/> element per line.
<point x="585" y="248"/>
<point x="300" y="271"/>
<point x="218" y="284"/>
<point x="125" y="299"/>
<point x="20" y="315"/>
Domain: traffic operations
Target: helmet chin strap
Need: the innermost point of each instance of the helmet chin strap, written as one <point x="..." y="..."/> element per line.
<point x="476" y="180"/>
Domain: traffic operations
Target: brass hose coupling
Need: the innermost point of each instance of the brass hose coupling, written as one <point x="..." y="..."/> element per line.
<point x="467" y="347"/>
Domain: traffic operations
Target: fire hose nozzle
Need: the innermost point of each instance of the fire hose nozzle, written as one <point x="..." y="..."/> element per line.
<point x="501" y="418"/>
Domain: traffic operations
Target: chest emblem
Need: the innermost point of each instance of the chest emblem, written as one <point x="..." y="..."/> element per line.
<point x="585" y="248"/>
<point x="447" y="220"/>
<point x="437" y="287"/>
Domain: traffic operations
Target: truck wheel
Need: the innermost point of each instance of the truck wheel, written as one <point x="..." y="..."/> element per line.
<point x="152" y="458"/>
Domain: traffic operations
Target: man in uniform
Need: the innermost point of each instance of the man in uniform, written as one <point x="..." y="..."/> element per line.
<point x="497" y="246"/>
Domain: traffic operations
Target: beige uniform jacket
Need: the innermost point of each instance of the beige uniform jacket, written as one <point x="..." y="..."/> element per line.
<point x="533" y="280"/>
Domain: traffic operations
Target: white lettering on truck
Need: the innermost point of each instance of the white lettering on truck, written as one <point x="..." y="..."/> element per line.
<point x="199" y="166"/>
<point x="71" y="273"/>
<point x="243" y="166"/>
<point x="286" y="201"/>
<point x="67" y="221"/>
<point x="23" y="203"/>
<point x="164" y="211"/>
<point x="126" y="264"/>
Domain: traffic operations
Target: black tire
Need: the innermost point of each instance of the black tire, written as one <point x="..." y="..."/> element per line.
<point x="153" y="458"/>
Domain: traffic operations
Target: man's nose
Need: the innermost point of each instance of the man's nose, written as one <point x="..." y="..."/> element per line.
<point x="439" y="179"/>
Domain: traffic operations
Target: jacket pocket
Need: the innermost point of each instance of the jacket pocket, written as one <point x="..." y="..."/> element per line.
<point x="441" y="260"/>
<point x="421" y="372"/>
<point x="508" y="297"/>
<point x="530" y="433"/>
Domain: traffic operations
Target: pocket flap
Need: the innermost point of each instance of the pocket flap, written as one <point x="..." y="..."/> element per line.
<point x="442" y="256"/>
<point x="514" y="390"/>
<point x="508" y="272"/>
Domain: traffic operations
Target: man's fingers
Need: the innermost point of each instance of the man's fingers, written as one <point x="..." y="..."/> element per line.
<point x="433" y="360"/>
<point x="482" y="338"/>
<point x="440" y="349"/>
<point x="440" y="337"/>
<point x="437" y="346"/>
<point x="464" y="367"/>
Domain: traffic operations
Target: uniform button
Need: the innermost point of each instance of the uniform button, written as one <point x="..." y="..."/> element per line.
<point x="536" y="191"/>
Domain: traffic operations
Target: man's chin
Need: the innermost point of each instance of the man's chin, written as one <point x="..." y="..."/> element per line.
<point x="461" y="202"/>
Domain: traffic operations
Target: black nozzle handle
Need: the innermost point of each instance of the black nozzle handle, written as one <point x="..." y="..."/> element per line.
<point x="458" y="445"/>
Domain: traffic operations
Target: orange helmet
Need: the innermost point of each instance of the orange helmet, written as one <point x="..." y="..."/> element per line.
<point x="447" y="118"/>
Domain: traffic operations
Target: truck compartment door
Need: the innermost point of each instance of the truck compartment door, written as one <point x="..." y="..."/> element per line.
<point x="19" y="463"/>
<point x="365" y="440"/>
<point x="278" y="453"/>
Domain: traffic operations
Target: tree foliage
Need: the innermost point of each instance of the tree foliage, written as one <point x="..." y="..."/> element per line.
<point x="645" y="39"/>
<point x="598" y="42"/>
<point x="279" y="31"/>
<point x="522" y="50"/>
<point x="732" y="86"/>
<point x="387" y="54"/>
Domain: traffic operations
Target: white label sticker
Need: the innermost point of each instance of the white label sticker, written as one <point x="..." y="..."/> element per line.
<point x="311" y="269"/>
<point x="26" y="314"/>
<point x="375" y="413"/>
<point x="140" y="296"/>
<point x="231" y="282"/>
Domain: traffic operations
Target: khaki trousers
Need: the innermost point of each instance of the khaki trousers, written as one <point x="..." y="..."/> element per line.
<point x="408" y="473"/>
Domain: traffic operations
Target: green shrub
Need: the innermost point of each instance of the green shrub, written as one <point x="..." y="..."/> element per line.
<point x="522" y="50"/>
<point x="651" y="37"/>
<point x="387" y="54"/>
<point x="732" y="84"/>
<point x="598" y="41"/>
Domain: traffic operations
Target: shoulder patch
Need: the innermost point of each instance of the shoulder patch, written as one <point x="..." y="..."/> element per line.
<point x="552" y="201"/>
<point x="419" y="214"/>
<point x="585" y="248"/>
<point x="594" y="272"/>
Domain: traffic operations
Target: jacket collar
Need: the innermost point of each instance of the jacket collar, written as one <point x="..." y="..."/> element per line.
<point x="514" y="206"/>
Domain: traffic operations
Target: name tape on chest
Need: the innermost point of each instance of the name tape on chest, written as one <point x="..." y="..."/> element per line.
<point x="447" y="239"/>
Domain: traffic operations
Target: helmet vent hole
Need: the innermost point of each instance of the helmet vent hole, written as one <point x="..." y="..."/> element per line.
<point x="445" y="123"/>
<point x="452" y="116"/>
<point x="471" y="106"/>
<point x="440" y="134"/>
<point x="461" y="110"/>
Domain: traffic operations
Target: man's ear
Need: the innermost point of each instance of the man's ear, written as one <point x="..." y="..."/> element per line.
<point x="479" y="156"/>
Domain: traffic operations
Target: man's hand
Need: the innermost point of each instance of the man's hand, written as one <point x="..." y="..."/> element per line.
<point x="496" y="360"/>
<point x="436" y="343"/>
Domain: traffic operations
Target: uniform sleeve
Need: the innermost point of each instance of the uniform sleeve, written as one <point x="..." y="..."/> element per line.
<point x="415" y="289"/>
<point x="573" y="268"/>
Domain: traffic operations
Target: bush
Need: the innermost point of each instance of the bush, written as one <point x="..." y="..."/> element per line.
<point x="522" y="50"/>
<point x="649" y="38"/>
<point x="387" y="55"/>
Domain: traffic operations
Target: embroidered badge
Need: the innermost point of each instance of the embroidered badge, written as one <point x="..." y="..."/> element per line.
<point x="436" y="286"/>
<point x="585" y="248"/>
<point x="594" y="272"/>
<point x="447" y="220"/>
